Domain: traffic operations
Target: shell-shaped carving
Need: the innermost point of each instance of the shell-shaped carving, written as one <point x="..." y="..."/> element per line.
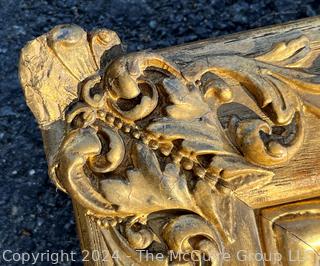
<point x="52" y="65"/>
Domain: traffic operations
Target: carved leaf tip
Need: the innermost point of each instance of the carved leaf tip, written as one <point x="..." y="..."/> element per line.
<point x="52" y="65"/>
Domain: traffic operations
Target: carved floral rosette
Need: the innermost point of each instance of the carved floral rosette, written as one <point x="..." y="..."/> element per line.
<point x="143" y="147"/>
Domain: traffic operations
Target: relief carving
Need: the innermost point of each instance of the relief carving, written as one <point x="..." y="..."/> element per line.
<point x="143" y="148"/>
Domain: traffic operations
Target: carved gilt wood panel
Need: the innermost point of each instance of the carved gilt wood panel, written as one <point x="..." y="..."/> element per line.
<point x="200" y="154"/>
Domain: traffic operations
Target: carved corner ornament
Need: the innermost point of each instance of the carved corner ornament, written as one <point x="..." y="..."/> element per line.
<point x="202" y="154"/>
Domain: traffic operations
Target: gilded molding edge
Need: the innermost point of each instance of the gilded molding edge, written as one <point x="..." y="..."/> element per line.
<point x="299" y="241"/>
<point x="141" y="136"/>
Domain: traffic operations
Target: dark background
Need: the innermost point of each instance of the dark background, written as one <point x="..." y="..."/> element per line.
<point x="34" y="216"/>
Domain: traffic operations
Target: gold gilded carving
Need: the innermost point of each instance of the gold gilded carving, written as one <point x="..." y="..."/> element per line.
<point x="296" y="241"/>
<point x="53" y="64"/>
<point x="142" y="148"/>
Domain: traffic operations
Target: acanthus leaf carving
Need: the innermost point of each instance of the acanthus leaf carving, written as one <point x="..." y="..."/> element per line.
<point x="161" y="189"/>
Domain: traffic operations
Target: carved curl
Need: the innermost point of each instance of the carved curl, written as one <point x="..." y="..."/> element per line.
<point x="82" y="146"/>
<point x="189" y="234"/>
<point x="122" y="80"/>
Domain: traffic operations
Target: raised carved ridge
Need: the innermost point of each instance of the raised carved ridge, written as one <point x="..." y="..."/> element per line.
<point x="143" y="149"/>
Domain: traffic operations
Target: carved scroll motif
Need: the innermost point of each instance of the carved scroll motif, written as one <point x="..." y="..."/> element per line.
<point x="143" y="148"/>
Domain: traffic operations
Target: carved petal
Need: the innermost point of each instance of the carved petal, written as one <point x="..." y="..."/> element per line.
<point x="187" y="105"/>
<point x="101" y="41"/>
<point x="199" y="137"/>
<point x="148" y="189"/>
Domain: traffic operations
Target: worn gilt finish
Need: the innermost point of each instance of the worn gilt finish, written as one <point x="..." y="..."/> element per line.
<point x="168" y="153"/>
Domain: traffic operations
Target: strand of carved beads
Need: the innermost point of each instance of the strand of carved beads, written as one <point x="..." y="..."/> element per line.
<point x="177" y="157"/>
<point x="136" y="134"/>
<point x="187" y="164"/>
<point x="153" y="144"/>
<point x="118" y="123"/>
<point x="199" y="171"/>
<point x="126" y="129"/>
<point x="165" y="149"/>
<point x="101" y="114"/>
<point x="110" y="118"/>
